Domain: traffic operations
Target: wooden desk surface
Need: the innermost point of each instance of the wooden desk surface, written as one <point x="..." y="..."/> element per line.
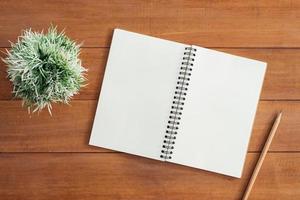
<point x="45" y="157"/>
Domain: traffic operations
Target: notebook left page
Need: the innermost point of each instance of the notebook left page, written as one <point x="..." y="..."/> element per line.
<point x="136" y="94"/>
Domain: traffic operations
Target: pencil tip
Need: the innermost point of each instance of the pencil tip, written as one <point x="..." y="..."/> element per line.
<point x="279" y="114"/>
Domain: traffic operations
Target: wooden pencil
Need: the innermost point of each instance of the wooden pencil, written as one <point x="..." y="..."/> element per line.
<point x="262" y="157"/>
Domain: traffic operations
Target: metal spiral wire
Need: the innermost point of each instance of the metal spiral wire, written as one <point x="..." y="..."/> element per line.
<point x="178" y="102"/>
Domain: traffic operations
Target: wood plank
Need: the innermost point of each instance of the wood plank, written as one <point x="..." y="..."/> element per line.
<point x="265" y="23"/>
<point x="262" y="29"/>
<point x="281" y="82"/>
<point x="69" y="128"/>
<point x="120" y="176"/>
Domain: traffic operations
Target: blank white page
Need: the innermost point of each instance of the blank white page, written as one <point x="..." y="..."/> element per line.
<point x="219" y="112"/>
<point x="136" y="94"/>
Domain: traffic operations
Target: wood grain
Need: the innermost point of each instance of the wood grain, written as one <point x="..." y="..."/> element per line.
<point x="68" y="130"/>
<point x="282" y="80"/>
<point x="265" y="23"/>
<point x="119" y="176"/>
<point x="266" y="30"/>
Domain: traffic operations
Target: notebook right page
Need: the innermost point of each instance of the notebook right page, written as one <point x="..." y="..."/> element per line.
<point x="219" y="112"/>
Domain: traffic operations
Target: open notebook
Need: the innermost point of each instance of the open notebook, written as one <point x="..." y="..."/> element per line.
<point x="177" y="103"/>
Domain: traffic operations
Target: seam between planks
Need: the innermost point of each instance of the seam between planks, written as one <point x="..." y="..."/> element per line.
<point x="116" y="152"/>
<point x="78" y="100"/>
<point x="211" y="47"/>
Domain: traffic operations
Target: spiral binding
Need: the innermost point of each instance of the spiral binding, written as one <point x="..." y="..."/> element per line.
<point x="178" y="102"/>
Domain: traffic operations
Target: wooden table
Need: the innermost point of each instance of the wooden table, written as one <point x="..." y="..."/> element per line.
<point x="44" y="157"/>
